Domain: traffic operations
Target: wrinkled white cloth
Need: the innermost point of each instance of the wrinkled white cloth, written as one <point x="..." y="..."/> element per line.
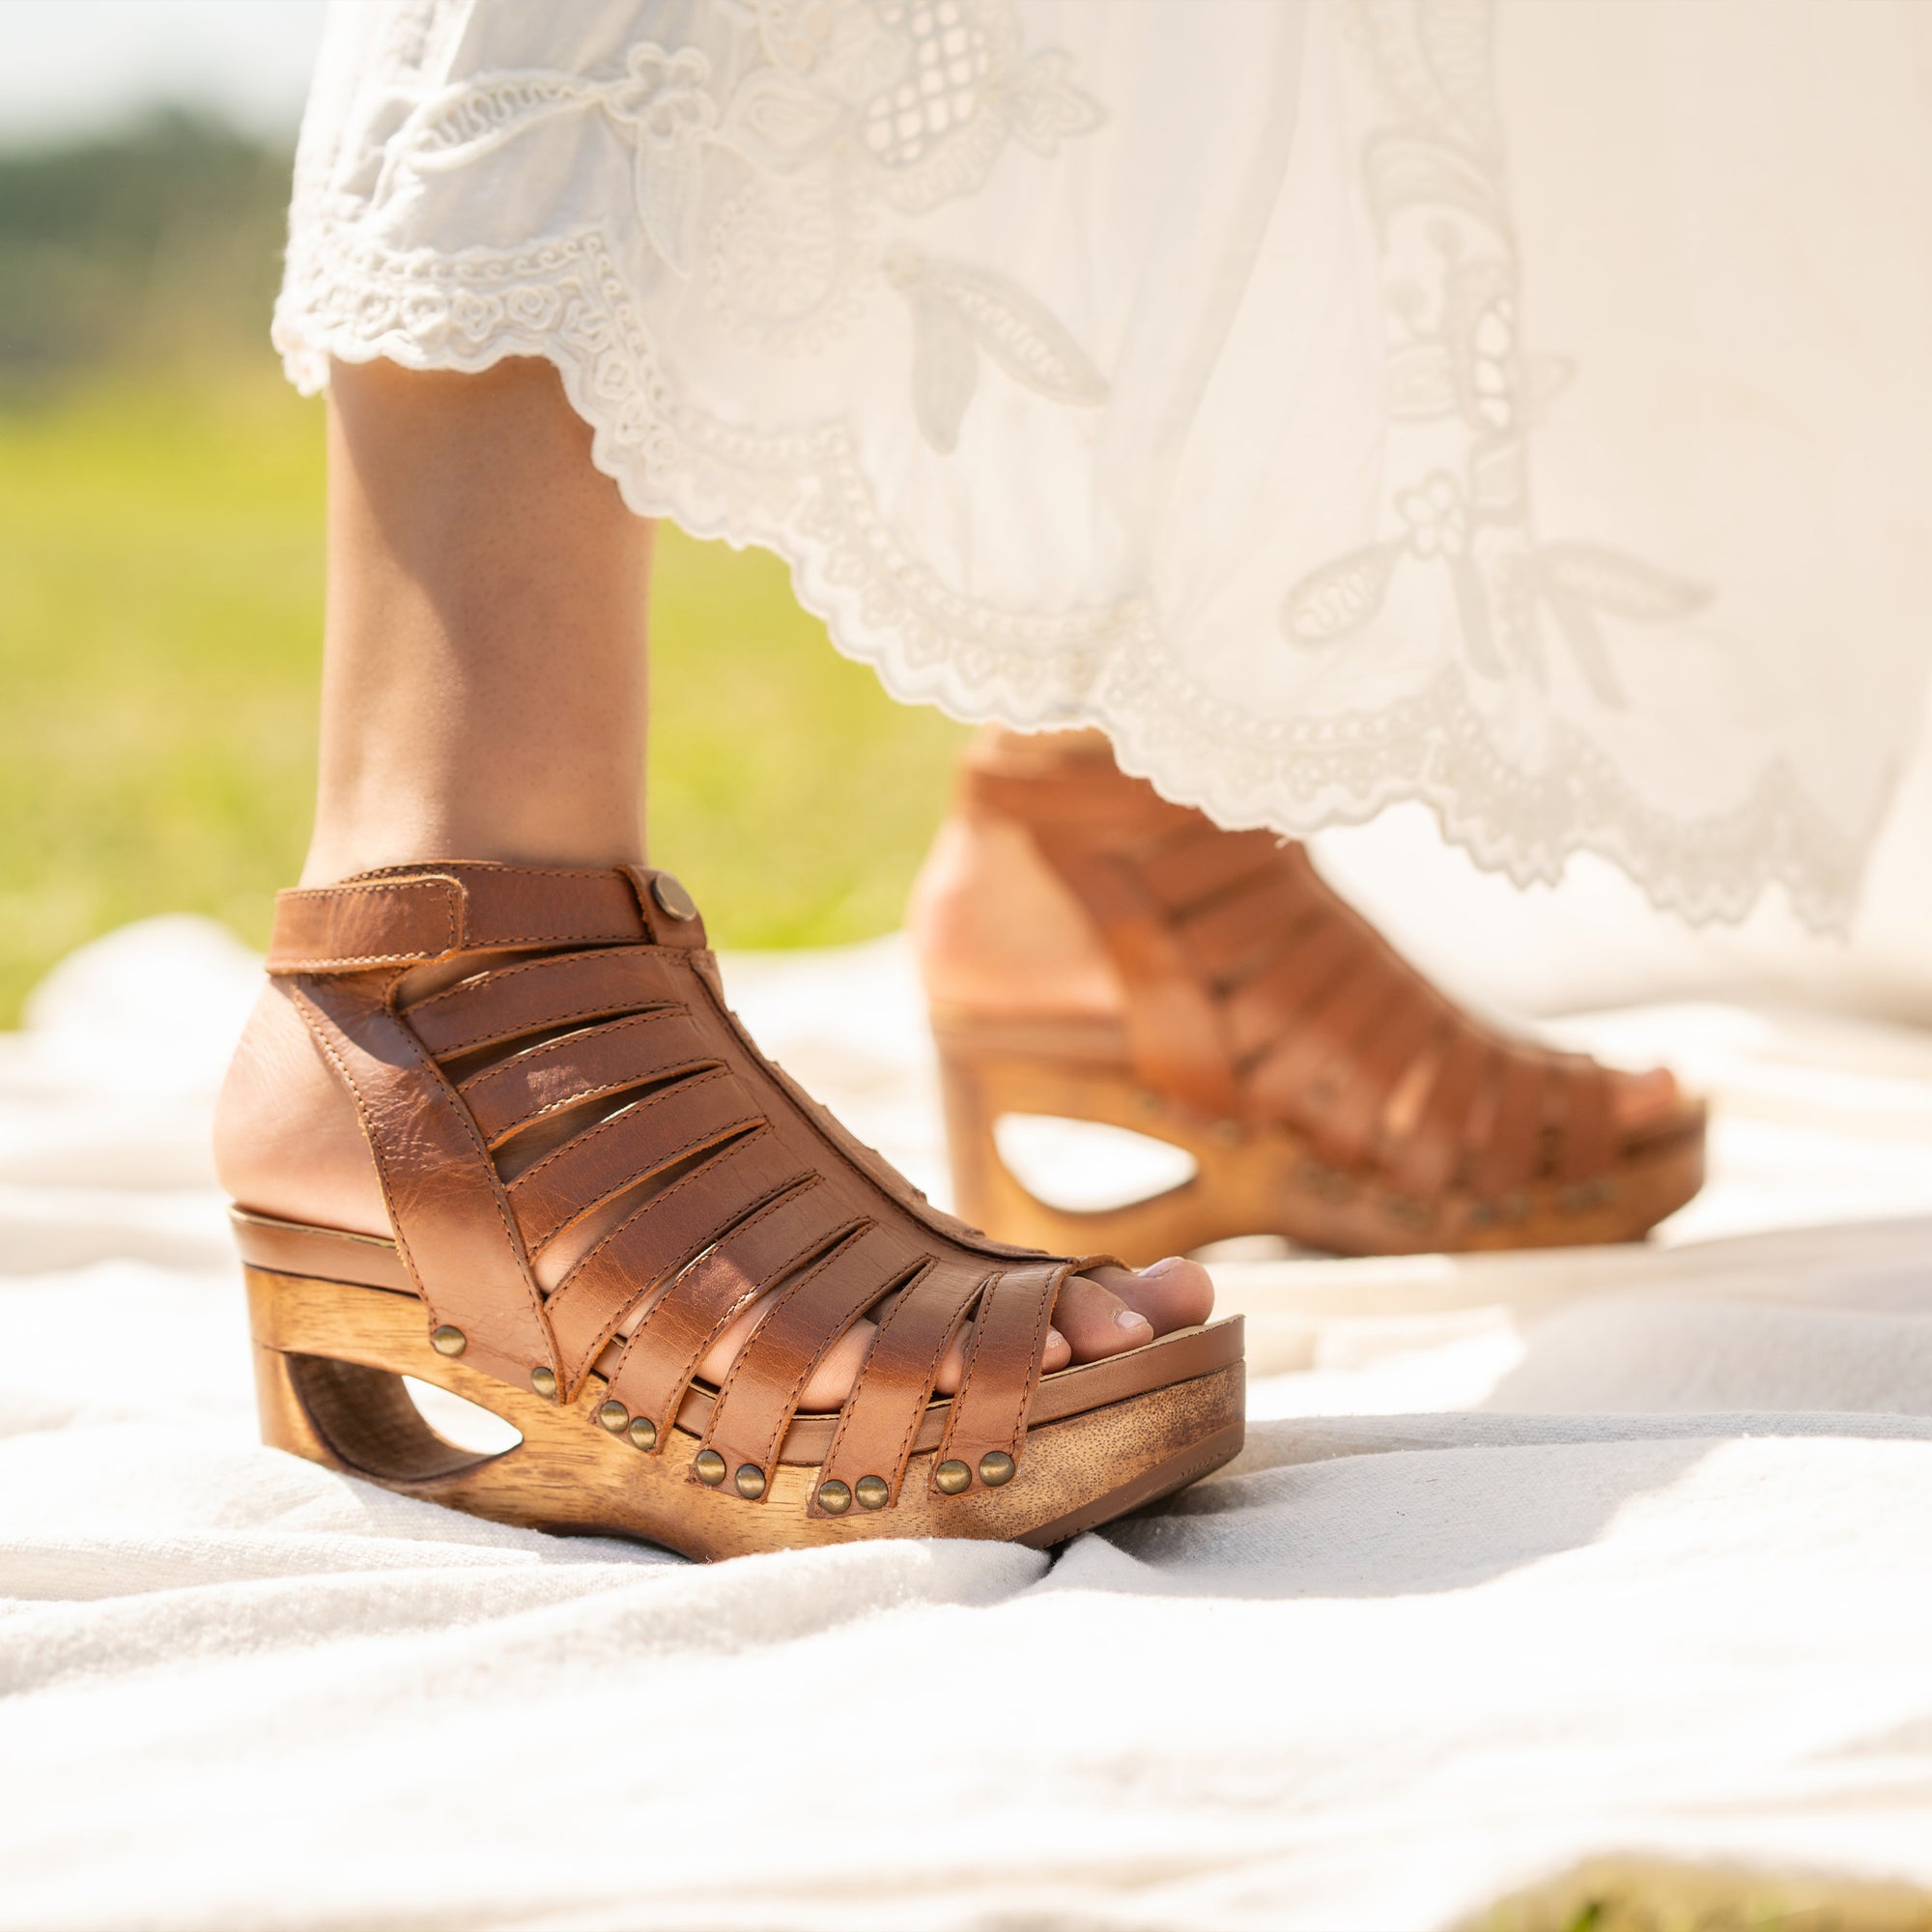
<point x="1549" y="1574"/>
<point x="1513" y="408"/>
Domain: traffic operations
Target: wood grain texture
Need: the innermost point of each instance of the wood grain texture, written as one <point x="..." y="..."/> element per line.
<point x="1259" y="1180"/>
<point x="329" y="1356"/>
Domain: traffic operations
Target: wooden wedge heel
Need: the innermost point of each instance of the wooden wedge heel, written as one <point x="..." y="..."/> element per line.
<point x="534" y="1051"/>
<point x="1323" y="1089"/>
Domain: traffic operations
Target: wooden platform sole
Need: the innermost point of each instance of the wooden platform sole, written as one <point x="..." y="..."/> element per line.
<point x="329" y="1356"/>
<point x="1266" y="1180"/>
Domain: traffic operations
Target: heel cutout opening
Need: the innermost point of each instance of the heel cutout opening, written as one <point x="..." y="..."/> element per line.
<point x="1087" y="1167"/>
<point x="368" y="1421"/>
<point x="462" y="1425"/>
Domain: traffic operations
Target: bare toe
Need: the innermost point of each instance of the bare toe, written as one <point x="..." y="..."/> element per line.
<point x="1095" y="1322"/>
<point x="1639" y="1100"/>
<point x="1173" y="1293"/>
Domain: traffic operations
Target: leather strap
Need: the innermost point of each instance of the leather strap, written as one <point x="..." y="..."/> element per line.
<point x="679" y="1328"/>
<point x="453" y="1226"/>
<point x="599" y="1061"/>
<point x="760" y="1395"/>
<point x="1003" y="1365"/>
<point x="1253" y="992"/>
<point x="634" y="1145"/>
<point x="657" y="1240"/>
<point x="881" y="1418"/>
<point x="605" y="1075"/>
<point x="409" y="916"/>
<point x="557" y="989"/>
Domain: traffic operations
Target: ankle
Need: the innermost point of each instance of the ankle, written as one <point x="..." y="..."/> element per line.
<point x="996" y="931"/>
<point x="287" y="1138"/>
<point x="344" y="844"/>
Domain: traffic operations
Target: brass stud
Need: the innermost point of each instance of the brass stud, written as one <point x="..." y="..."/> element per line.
<point x="543" y="1381"/>
<point x="448" y="1341"/>
<point x="644" y="1431"/>
<point x="671" y="897"/>
<point x="996" y="1466"/>
<point x="614" y="1417"/>
<point x="834" y="1497"/>
<point x="1584" y="1196"/>
<point x="750" y="1481"/>
<point x="871" y="1491"/>
<point x="950" y="1477"/>
<point x="709" y="1467"/>
<point x="1406" y="1209"/>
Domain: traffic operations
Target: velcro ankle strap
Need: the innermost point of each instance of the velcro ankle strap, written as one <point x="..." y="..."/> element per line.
<point x="409" y="915"/>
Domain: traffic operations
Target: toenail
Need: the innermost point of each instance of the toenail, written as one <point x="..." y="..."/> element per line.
<point x="1125" y="1318"/>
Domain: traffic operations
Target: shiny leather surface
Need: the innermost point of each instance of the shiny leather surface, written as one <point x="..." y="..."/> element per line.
<point x="601" y="1074"/>
<point x="1256" y="995"/>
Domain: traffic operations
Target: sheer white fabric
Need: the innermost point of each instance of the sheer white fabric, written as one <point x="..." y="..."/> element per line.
<point x="1512" y="407"/>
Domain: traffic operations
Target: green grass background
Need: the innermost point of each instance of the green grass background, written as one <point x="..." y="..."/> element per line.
<point x="160" y="608"/>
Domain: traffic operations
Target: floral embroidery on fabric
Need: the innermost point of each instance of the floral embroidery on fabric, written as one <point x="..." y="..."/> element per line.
<point x="1464" y="395"/>
<point x="831" y="129"/>
<point x="832" y="115"/>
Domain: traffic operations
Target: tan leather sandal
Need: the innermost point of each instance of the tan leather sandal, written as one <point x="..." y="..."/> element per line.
<point x="1325" y="1091"/>
<point x="588" y="1065"/>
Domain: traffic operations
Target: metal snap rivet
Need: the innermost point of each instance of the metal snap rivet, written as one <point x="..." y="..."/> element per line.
<point x="871" y="1491"/>
<point x="710" y="1467"/>
<point x="750" y="1481"/>
<point x="543" y="1381"/>
<point x="996" y="1466"/>
<point x="644" y="1431"/>
<point x="448" y="1341"/>
<point x="614" y="1417"/>
<point x="671" y="897"/>
<point x="950" y="1477"/>
<point x="834" y="1497"/>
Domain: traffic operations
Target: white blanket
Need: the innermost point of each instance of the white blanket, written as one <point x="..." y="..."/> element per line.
<point x="1542" y="1579"/>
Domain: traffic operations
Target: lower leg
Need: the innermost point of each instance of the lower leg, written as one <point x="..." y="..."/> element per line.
<point x="484" y="669"/>
<point x="484" y="698"/>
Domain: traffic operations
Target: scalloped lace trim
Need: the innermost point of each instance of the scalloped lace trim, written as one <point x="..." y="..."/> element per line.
<point x="797" y="249"/>
<point x="804" y="495"/>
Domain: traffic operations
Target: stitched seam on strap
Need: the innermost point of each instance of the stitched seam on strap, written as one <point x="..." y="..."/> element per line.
<point x="494" y="974"/>
<point x="335" y="1060"/>
<point x="723" y="1322"/>
<point x="453" y="1049"/>
<point x="546" y="873"/>
<point x="579" y="1364"/>
<point x="313" y="894"/>
<point x="966" y="1373"/>
<point x="703" y="1076"/>
<point x="793" y="1286"/>
<point x="506" y="1069"/>
<point x="776" y="1440"/>
<point x="919" y="1409"/>
<point x="442" y="1093"/>
<point x="468" y="1125"/>
<point x="692" y="1146"/>
<point x="1030" y="1378"/>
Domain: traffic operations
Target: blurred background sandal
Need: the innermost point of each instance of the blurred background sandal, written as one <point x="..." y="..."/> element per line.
<point x="536" y="1052"/>
<point x="1218" y="995"/>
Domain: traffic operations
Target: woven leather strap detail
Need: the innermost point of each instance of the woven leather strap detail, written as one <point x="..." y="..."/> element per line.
<point x="597" y="1107"/>
<point x="1254" y="994"/>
